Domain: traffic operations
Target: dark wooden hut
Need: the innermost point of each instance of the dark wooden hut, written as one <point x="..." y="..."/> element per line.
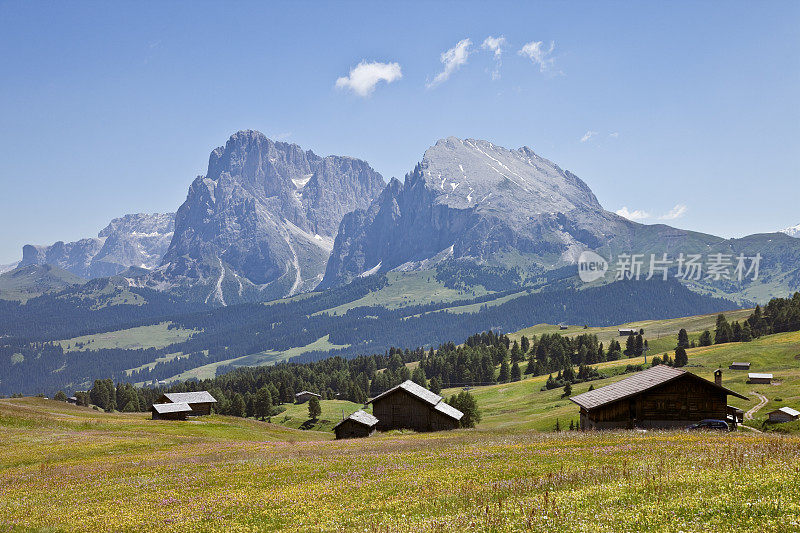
<point x="170" y="411"/>
<point x="359" y="424"/>
<point x="659" y="397"/>
<point x="200" y="402"/>
<point x="739" y="366"/>
<point x="410" y="406"/>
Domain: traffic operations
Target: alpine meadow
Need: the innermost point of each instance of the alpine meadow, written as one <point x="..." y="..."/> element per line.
<point x="399" y="267"/>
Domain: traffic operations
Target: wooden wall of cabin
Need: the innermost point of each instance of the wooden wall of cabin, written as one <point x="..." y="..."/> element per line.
<point x="352" y="430"/>
<point x="673" y="404"/>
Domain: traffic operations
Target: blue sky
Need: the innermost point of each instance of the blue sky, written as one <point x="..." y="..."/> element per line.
<point x="113" y="108"/>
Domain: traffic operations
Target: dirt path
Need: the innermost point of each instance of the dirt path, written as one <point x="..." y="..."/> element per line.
<point x="762" y="402"/>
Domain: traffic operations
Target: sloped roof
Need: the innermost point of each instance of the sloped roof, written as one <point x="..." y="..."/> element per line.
<point x="635" y="384"/>
<point x="302" y="392"/>
<point x="190" y="397"/>
<point x="361" y="417"/>
<point x="448" y="410"/>
<point x="415" y="390"/>
<point x="178" y="407"/>
<point x="788" y="410"/>
<point x="431" y="398"/>
<point x="759" y="376"/>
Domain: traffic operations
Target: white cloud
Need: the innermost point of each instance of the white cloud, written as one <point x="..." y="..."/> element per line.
<point x="588" y="135"/>
<point x="364" y="77"/>
<point x="614" y="135"/>
<point x="637" y="214"/>
<point x="676" y="212"/>
<point x="452" y="60"/>
<point x="536" y="53"/>
<point x="495" y="45"/>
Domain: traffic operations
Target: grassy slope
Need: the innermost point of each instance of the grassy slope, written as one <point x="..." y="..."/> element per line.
<point x="30" y="281"/>
<point x="524" y="405"/>
<point x="409" y="288"/>
<point x="256" y="359"/>
<point x="156" y="336"/>
<point x="69" y="468"/>
<point x="660" y="334"/>
<point x="296" y="415"/>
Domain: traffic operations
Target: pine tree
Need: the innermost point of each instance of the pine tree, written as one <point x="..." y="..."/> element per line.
<point x="435" y="385"/>
<point x="525" y="344"/>
<point x="681" y="359"/>
<point x="504" y="372"/>
<point x="516" y="375"/>
<point x="705" y="338"/>
<point x="263" y="403"/>
<point x="60" y="396"/>
<point x="639" y="346"/>
<point x="723" y="332"/>
<point x="683" y="338"/>
<point x="747" y="334"/>
<point x="238" y="407"/>
<point x="314" y="408"/>
<point x="558" y="425"/>
<point x="567" y="390"/>
<point x="418" y="377"/>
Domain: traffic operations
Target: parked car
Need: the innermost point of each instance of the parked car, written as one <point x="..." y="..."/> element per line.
<point x="710" y="424"/>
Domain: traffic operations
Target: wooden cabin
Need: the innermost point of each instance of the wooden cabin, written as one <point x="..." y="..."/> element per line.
<point x="627" y="332"/>
<point x="410" y="406"/>
<point x="659" y="397"/>
<point x="200" y="402"/>
<point x="171" y="411"/>
<point x="562" y="327"/>
<point x="304" y="396"/>
<point x="358" y="424"/>
<point x="784" y="414"/>
<point x="756" y="378"/>
<point x="739" y="366"/>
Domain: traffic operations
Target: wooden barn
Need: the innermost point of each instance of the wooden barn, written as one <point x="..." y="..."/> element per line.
<point x="659" y="397"/>
<point x="359" y="424"/>
<point x="784" y="414"/>
<point x="170" y="411"/>
<point x="739" y="366"/>
<point x="627" y="332"/>
<point x="304" y="396"/>
<point x="200" y="402"/>
<point x="410" y="406"/>
<point x="757" y="378"/>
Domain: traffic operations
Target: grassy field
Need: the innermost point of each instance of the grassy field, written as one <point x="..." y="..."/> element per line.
<point x="523" y="405"/>
<point x="407" y="289"/>
<point x="660" y="334"/>
<point x="156" y="336"/>
<point x="296" y="415"/>
<point x="65" y="468"/>
<point x="257" y="359"/>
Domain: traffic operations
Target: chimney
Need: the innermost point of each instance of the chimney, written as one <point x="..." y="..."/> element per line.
<point x="718" y="377"/>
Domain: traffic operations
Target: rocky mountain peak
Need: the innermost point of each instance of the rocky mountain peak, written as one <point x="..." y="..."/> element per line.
<point x="473" y="173"/>
<point x="260" y="223"/>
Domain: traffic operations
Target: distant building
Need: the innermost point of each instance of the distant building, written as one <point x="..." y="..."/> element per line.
<point x="763" y="379"/>
<point x="562" y="327"/>
<point x="739" y="366"/>
<point x="410" y="406"/>
<point x="627" y="332"/>
<point x="659" y="397"/>
<point x="72" y="400"/>
<point x="358" y="424"/>
<point x="200" y="402"/>
<point x="784" y="414"/>
<point x="304" y="396"/>
<point x="171" y="411"/>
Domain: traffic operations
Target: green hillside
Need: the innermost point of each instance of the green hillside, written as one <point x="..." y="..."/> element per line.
<point x="26" y="282"/>
<point x="65" y="468"/>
